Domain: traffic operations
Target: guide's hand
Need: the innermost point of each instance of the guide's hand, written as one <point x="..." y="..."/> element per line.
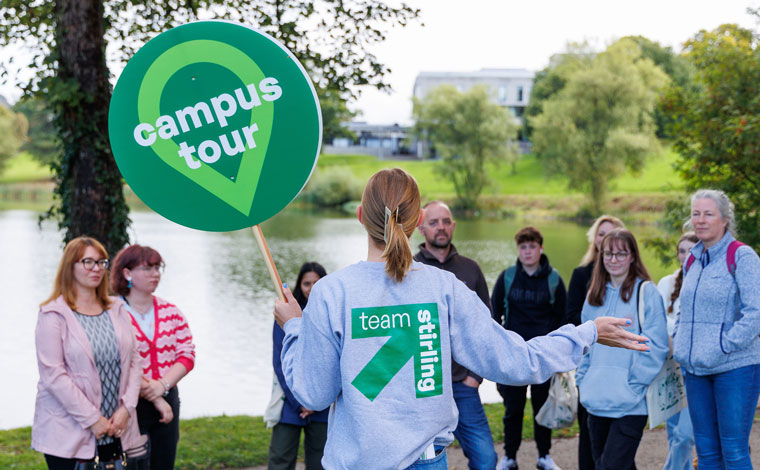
<point x="284" y="311"/>
<point x="610" y="332"/>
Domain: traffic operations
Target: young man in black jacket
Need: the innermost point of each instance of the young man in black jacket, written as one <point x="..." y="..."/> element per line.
<point x="529" y="299"/>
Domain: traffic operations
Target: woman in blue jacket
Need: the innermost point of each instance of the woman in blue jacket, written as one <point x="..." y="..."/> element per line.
<point x="716" y="338"/>
<point x="613" y="382"/>
<point x="286" y="435"/>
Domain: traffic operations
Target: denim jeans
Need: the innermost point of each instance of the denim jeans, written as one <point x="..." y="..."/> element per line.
<point x="680" y="442"/>
<point x="439" y="462"/>
<point x="472" y="430"/>
<point x="722" y="407"/>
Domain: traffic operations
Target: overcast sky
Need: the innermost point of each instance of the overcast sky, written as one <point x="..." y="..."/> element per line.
<point x="468" y="36"/>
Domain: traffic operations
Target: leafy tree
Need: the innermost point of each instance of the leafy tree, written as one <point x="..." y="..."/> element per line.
<point x="717" y="125"/>
<point x="468" y="130"/>
<point x="335" y="113"/>
<point x="13" y="129"/>
<point x="43" y="143"/>
<point x="601" y="121"/>
<point x="679" y="69"/>
<point x="69" y="38"/>
<point x="552" y="79"/>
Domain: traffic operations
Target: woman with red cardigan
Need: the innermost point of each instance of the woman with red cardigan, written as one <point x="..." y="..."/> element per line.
<point x="165" y="344"/>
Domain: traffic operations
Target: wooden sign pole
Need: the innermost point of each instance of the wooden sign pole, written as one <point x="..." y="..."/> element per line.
<point x="273" y="274"/>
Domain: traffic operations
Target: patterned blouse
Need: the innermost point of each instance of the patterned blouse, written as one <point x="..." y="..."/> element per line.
<point x="100" y="332"/>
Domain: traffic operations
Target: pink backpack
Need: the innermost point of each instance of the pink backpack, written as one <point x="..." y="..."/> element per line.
<point x="730" y="258"/>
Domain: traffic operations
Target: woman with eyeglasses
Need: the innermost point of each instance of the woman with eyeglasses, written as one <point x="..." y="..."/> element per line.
<point x="576" y="296"/>
<point x="165" y="344"/>
<point x="377" y="339"/>
<point x="89" y="366"/>
<point x="613" y="382"/>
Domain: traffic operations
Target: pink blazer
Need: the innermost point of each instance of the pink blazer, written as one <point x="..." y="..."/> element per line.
<point x="69" y="392"/>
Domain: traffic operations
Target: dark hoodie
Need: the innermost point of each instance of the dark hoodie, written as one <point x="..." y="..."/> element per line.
<point x="531" y="312"/>
<point x="467" y="271"/>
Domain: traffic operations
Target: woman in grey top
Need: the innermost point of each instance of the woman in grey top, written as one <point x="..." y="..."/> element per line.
<point x="377" y="339"/>
<point x="716" y="336"/>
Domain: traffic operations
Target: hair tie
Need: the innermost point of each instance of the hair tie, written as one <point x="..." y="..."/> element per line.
<point x="388" y="215"/>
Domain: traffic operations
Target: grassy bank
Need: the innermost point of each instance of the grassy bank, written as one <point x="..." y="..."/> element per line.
<point x="221" y="442"/>
<point x="658" y="176"/>
<point x="25" y="184"/>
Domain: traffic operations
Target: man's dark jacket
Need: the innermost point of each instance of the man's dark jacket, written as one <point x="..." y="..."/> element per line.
<point x="467" y="271"/>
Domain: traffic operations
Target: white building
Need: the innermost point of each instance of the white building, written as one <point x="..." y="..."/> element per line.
<point x="510" y="87"/>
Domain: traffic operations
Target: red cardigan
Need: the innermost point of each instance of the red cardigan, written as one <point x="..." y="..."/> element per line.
<point x="172" y="341"/>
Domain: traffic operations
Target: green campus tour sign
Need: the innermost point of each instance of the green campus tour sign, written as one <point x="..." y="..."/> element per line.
<point x="215" y="126"/>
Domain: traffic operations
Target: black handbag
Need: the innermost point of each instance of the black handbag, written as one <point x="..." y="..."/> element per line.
<point x="109" y="457"/>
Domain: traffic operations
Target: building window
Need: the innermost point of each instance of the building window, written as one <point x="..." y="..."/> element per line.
<point x="502" y="95"/>
<point x="519" y="94"/>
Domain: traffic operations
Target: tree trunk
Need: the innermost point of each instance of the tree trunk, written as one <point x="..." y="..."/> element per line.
<point x="90" y="187"/>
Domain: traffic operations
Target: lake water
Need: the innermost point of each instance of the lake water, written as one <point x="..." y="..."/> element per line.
<point x="220" y="282"/>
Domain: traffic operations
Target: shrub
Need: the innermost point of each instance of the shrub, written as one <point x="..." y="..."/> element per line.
<point x="333" y="186"/>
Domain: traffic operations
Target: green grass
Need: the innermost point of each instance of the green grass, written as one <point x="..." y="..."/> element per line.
<point x="529" y="179"/>
<point x="224" y="441"/>
<point x="23" y="168"/>
<point x="22" y="184"/>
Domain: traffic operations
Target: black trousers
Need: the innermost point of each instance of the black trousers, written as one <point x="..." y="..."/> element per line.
<point x="614" y="441"/>
<point x="163" y="437"/>
<point x="514" y="409"/>
<point x="585" y="457"/>
<point x="283" y="448"/>
<point x="59" y="463"/>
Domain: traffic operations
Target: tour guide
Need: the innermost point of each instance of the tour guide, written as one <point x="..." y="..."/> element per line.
<point x="392" y="412"/>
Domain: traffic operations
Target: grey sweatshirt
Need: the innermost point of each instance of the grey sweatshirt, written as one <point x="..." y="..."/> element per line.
<point x="719" y="323"/>
<point x="382" y="352"/>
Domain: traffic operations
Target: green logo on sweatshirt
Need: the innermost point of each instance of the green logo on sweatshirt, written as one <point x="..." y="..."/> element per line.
<point x="414" y="331"/>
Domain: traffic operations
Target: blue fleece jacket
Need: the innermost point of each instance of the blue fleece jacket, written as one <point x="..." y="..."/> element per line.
<point x="613" y="382"/>
<point x="381" y="351"/>
<point x="719" y="323"/>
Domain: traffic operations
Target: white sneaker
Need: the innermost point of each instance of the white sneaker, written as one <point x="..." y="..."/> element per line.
<point x="506" y="464"/>
<point x="546" y="463"/>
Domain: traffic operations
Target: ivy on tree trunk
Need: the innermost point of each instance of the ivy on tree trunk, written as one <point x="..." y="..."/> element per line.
<point x="89" y="185"/>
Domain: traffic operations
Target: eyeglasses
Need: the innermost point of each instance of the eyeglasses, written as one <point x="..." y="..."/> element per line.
<point x="89" y="263"/>
<point x="159" y="268"/>
<point x="620" y="255"/>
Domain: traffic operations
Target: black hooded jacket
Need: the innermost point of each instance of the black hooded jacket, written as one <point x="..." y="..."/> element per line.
<point x="531" y="312"/>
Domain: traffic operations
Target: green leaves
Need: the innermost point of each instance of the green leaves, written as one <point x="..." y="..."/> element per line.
<point x="716" y="124"/>
<point x="467" y="130"/>
<point x="600" y="122"/>
<point x="13" y="129"/>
